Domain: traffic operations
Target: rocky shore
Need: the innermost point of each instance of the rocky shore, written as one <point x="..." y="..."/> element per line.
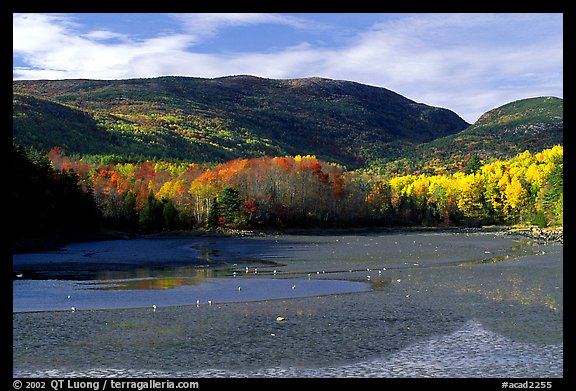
<point x="542" y="235"/>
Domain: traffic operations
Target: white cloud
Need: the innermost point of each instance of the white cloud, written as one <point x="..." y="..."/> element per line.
<point x="52" y="48"/>
<point x="210" y="23"/>
<point x="34" y="32"/>
<point x="454" y="60"/>
<point x="104" y="35"/>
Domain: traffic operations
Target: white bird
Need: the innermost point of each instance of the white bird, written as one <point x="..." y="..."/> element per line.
<point x="73" y="309"/>
<point x="293" y="286"/>
<point x="197" y="303"/>
<point x="20" y="275"/>
<point x="154" y="307"/>
<point x="239" y="289"/>
<point x="274" y="271"/>
<point x="68" y="297"/>
<point x="209" y="302"/>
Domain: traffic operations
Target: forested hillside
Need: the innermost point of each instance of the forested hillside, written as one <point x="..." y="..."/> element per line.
<point x="530" y="124"/>
<point x="215" y="120"/>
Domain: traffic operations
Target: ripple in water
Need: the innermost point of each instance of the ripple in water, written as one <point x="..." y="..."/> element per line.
<point x="469" y="352"/>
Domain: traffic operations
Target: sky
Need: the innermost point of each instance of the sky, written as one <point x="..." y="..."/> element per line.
<point x="468" y="63"/>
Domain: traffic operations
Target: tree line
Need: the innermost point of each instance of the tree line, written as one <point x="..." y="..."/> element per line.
<point x="48" y="203"/>
<point x="59" y="193"/>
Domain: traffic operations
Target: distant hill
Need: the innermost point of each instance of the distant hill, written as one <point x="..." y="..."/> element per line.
<point x="45" y="124"/>
<point x="208" y="120"/>
<point x="532" y="124"/>
<point x="224" y="118"/>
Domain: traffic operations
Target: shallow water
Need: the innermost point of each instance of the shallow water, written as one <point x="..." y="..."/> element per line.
<point x="438" y="305"/>
<point x="59" y="295"/>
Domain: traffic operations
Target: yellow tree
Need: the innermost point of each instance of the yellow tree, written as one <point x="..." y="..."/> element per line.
<point x="379" y="198"/>
<point x="202" y="193"/>
<point x="493" y="174"/>
<point x="442" y="197"/>
<point x="516" y="195"/>
<point x="471" y="196"/>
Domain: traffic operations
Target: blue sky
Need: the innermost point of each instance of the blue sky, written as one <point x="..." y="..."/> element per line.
<point x="468" y="63"/>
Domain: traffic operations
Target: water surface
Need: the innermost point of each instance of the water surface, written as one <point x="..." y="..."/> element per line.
<point x="57" y="295"/>
<point x="430" y="304"/>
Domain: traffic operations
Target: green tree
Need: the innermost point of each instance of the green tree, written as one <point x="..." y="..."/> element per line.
<point x="553" y="193"/>
<point x="170" y="214"/>
<point x="47" y="203"/>
<point x="129" y="218"/>
<point x="230" y="205"/>
<point x="151" y="216"/>
<point x="473" y="165"/>
<point x="214" y="214"/>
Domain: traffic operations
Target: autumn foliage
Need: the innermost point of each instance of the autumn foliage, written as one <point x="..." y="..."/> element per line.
<point x="304" y="191"/>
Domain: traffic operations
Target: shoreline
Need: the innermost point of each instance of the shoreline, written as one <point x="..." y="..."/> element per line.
<point x="542" y="235"/>
<point x="25" y="246"/>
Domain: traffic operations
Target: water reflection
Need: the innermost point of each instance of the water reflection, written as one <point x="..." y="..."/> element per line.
<point x="153" y="278"/>
<point x="511" y="287"/>
<point x="519" y="290"/>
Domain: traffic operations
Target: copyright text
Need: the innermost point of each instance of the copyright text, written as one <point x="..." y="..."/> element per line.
<point x="102" y="384"/>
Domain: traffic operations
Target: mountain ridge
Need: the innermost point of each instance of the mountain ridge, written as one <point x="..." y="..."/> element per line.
<point x="339" y="120"/>
<point x="240" y="116"/>
<point x="530" y="123"/>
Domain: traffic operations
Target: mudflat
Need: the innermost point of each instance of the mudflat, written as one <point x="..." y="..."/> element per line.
<point x="460" y="303"/>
